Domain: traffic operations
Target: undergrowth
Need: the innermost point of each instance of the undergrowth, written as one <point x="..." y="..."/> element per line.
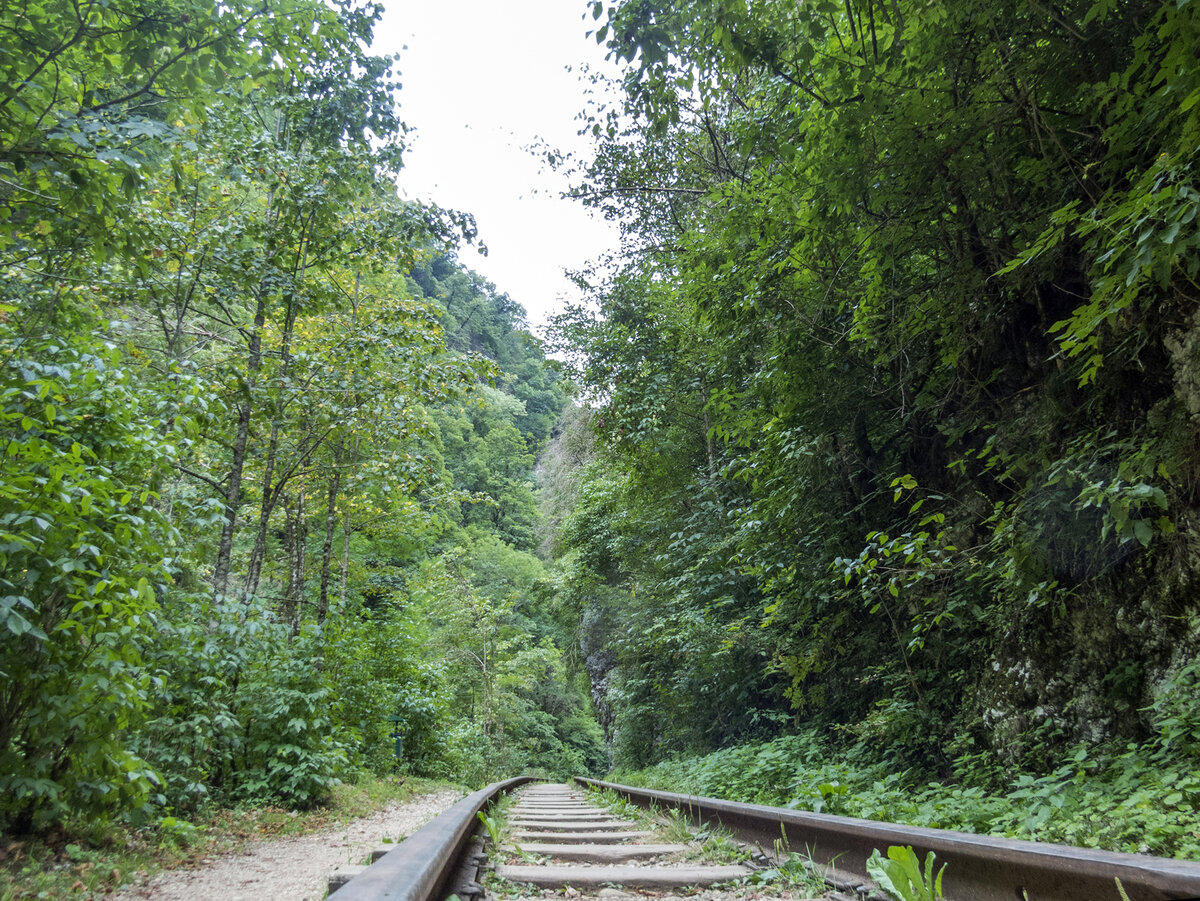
<point x="622" y="808"/>
<point x="1135" y="799"/>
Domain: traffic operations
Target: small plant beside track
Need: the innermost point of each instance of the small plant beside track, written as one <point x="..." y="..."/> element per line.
<point x="900" y="874"/>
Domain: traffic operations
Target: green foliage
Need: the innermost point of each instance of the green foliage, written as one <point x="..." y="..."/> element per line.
<point x="894" y="396"/>
<point x="373" y="669"/>
<point x="490" y="441"/>
<point x="238" y="435"/>
<point x="83" y="553"/>
<point x="900" y="875"/>
<point x="1176" y="711"/>
<point x="479" y="319"/>
<point x="504" y="667"/>
<point x="239" y="714"/>
<point x="1134" y="799"/>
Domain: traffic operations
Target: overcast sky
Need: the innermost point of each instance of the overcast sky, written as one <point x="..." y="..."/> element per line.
<point x="483" y="80"/>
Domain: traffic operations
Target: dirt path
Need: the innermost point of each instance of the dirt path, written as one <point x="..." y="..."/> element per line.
<point x="290" y="869"/>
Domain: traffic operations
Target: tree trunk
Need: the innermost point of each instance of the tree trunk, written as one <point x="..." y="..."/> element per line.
<point x="335" y="481"/>
<point x="269" y="497"/>
<point x="351" y="461"/>
<point x="289" y="540"/>
<point x="295" y="539"/>
<point x="270" y="492"/>
<point x="345" y="555"/>
<point x="233" y="490"/>
<point x="708" y="446"/>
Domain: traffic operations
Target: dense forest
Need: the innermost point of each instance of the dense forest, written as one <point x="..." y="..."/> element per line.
<point x="864" y="479"/>
<point x="890" y="491"/>
<point x="267" y="489"/>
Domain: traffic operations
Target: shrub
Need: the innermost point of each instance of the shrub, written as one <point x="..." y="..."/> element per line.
<point x="82" y="556"/>
<point x="240" y="711"/>
<point x="1136" y="800"/>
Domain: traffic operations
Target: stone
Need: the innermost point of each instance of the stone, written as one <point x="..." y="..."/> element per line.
<point x="342" y="875"/>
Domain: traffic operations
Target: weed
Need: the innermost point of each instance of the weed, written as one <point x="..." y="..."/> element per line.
<point x="793" y="870"/>
<point x="176" y="833"/>
<point x="621" y="807"/>
<point x="901" y="877"/>
<point x="721" y="848"/>
<point x="495" y="821"/>
<point x="1135" y="798"/>
<point x="676" y="827"/>
<point x="492" y="826"/>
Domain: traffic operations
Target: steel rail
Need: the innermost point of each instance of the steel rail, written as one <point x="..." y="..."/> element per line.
<point x="979" y="867"/>
<point x="421" y="866"/>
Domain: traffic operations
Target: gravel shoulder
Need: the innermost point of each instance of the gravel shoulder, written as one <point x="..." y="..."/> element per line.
<point x="290" y="869"/>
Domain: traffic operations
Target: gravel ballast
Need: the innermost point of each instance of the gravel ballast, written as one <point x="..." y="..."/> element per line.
<point x="291" y="869"/>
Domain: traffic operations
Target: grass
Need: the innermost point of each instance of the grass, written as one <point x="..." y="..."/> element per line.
<point x="621" y="808"/>
<point x="791" y="870"/>
<point x="1133" y="798"/>
<point x="495" y="820"/>
<point x="710" y="844"/>
<point x="84" y="861"/>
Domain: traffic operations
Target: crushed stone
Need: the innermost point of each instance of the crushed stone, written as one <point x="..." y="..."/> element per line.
<point x="290" y="869"/>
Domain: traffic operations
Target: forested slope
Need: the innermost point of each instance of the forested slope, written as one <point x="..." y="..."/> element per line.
<point x="265" y="495"/>
<point x="882" y="468"/>
<point x="895" y="401"/>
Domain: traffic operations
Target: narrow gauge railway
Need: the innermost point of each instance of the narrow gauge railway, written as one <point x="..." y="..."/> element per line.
<point x="565" y="839"/>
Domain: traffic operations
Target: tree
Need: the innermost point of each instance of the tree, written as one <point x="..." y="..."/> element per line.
<point x="944" y="400"/>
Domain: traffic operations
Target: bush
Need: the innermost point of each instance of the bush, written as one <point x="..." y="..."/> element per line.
<point x="373" y="664"/>
<point x="1135" y="801"/>
<point x="82" y="550"/>
<point x="240" y="711"/>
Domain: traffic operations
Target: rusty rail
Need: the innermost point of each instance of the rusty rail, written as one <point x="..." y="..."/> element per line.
<point x="979" y="867"/>
<point x="420" y="867"/>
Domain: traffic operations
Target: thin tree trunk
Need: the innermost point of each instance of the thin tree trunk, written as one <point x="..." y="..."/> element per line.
<point x="295" y="540"/>
<point x="289" y="540"/>
<point x="351" y="460"/>
<point x="708" y="445"/>
<point x="301" y="550"/>
<point x="712" y="465"/>
<point x="270" y="494"/>
<point x="335" y="481"/>
<point x="233" y="490"/>
<point x="345" y="555"/>
<point x="269" y="498"/>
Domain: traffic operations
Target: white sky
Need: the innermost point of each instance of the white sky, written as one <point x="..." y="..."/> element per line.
<point x="482" y="80"/>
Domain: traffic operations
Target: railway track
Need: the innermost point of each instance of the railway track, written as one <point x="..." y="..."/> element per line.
<point x="563" y="841"/>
